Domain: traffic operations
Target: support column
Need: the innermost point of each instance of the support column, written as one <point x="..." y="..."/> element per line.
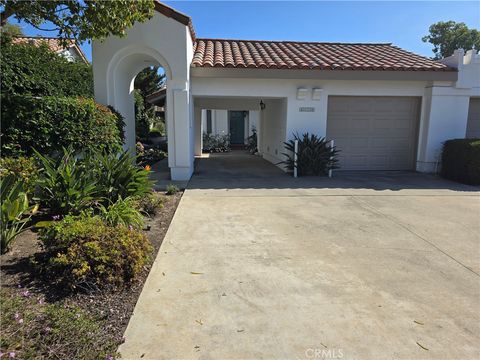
<point x="198" y="130"/>
<point x="180" y="154"/>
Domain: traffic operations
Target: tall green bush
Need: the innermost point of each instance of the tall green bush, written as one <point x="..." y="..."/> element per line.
<point x="461" y="161"/>
<point x="36" y="70"/>
<point x="50" y="123"/>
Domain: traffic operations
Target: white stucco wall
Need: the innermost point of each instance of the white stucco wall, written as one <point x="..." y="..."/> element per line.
<point x="159" y="41"/>
<point x="273" y="130"/>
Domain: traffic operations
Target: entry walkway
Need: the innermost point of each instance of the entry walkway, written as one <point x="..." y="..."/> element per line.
<point x="378" y="266"/>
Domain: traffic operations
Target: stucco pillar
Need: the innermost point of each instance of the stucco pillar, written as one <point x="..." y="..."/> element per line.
<point x="444" y="117"/>
<point x="180" y="154"/>
<point x="198" y="130"/>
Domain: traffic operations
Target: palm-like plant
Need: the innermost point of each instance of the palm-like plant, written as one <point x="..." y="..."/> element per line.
<point x="118" y="176"/>
<point x="66" y="186"/>
<point x="314" y="156"/>
<point x="15" y="210"/>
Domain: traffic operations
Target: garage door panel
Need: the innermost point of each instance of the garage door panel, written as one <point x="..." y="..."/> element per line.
<point x="374" y="133"/>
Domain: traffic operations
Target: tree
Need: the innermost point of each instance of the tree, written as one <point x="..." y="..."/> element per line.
<point x="149" y="80"/>
<point x="448" y="36"/>
<point x="79" y="19"/>
<point x="12" y="30"/>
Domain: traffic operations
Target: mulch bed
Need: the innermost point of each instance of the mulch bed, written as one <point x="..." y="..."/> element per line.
<point x="115" y="306"/>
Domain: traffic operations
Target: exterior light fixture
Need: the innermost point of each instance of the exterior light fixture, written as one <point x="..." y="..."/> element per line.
<point x="262" y="105"/>
<point x="317" y="93"/>
<point x="302" y="93"/>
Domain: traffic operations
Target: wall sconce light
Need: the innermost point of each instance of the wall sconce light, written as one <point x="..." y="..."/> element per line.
<point x="262" y="105"/>
<point x="302" y="93"/>
<point x="316" y="93"/>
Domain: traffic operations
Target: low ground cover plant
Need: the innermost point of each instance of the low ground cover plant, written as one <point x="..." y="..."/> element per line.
<point x="84" y="252"/>
<point x="314" y="156"/>
<point x="33" y="329"/>
<point x="172" y="189"/>
<point x="150" y="204"/>
<point x="461" y="161"/>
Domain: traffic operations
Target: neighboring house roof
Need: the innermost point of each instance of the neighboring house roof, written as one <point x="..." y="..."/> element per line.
<point x="157" y="97"/>
<point x="227" y="53"/>
<point x="53" y="43"/>
<point x="176" y="15"/>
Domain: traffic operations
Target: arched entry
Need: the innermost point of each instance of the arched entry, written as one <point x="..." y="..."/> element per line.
<point x="162" y="41"/>
<point x="121" y="73"/>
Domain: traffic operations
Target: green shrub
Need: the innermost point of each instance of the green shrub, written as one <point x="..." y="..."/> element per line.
<point x="172" y="189"/>
<point x="84" y="252"/>
<point x="14" y="211"/>
<point x="252" y="142"/>
<point x="118" y="176"/>
<point x="122" y="212"/>
<point x="36" y="70"/>
<point x="150" y="204"/>
<point x="50" y="123"/>
<point x="66" y="185"/>
<point x="23" y="168"/>
<point x="151" y="156"/>
<point x="314" y="156"/>
<point x="216" y="143"/>
<point x="155" y="133"/>
<point x="37" y="330"/>
<point x="461" y="161"/>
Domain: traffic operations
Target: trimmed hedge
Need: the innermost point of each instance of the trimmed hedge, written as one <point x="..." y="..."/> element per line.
<point x="461" y="161"/>
<point x="38" y="71"/>
<point x="50" y="123"/>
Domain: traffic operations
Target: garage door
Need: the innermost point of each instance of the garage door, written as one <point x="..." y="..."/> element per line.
<point x="374" y="133"/>
<point x="473" y="125"/>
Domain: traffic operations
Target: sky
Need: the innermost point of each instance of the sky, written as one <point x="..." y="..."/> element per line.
<point x="402" y="23"/>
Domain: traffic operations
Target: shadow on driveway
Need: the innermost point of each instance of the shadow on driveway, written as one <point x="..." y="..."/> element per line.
<point x="240" y="170"/>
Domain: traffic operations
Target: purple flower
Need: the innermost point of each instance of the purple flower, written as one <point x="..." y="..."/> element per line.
<point x="48" y="329"/>
<point x="16" y="316"/>
<point x="26" y="293"/>
<point x="56" y="217"/>
<point x="1" y="353"/>
<point x="40" y="301"/>
<point x="110" y="358"/>
<point x="11" y="354"/>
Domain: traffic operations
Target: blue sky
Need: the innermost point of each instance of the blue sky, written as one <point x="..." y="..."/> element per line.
<point x="401" y="22"/>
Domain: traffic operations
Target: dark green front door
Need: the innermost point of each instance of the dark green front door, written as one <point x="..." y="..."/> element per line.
<point x="237" y="127"/>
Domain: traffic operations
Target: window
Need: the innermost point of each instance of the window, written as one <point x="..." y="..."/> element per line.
<point x="209" y="121"/>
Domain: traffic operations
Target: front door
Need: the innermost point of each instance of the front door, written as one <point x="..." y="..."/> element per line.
<point x="237" y="127"/>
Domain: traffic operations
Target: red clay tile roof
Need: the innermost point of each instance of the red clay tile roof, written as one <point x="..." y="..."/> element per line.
<point x="225" y="53"/>
<point x="53" y="43"/>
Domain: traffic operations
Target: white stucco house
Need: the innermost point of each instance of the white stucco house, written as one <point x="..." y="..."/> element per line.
<point x="72" y="52"/>
<point x="386" y="108"/>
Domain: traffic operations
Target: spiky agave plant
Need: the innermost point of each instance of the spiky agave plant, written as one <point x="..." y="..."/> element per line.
<point x="314" y="156"/>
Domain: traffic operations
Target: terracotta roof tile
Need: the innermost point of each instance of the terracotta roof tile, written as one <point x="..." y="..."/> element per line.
<point x="53" y="43"/>
<point x="308" y="55"/>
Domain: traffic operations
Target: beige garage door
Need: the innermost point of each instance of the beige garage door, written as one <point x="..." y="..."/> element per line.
<point x="374" y="133"/>
<point x="473" y="125"/>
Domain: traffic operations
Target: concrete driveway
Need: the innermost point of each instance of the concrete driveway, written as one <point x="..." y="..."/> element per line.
<point x="257" y="265"/>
